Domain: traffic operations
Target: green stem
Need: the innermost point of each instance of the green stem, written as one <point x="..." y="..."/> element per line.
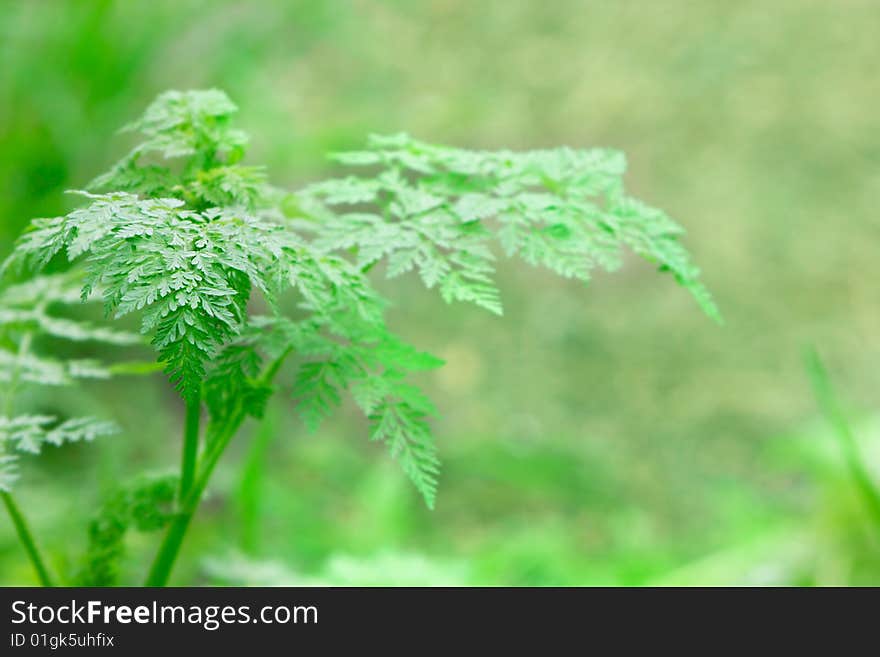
<point x="217" y="439"/>
<point x="15" y="514"/>
<point x="27" y="539"/>
<point x="190" y="450"/>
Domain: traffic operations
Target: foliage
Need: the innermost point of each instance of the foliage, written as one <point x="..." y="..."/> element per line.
<point x="28" y="312"/>
<point x="184" y="235"/>
<point x="147" y="505"/>
<point x="429" y="208"/>
<point x="664" y="418"/>
<point x="187" y="242"/>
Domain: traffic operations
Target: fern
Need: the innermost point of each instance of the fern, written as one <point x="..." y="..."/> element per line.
<point x="184" y="235"/>
<point x="437" y="210"/>
<point x="187" y="244"/>
<point x="29" y="312"/>
<point x="146" y="505"/>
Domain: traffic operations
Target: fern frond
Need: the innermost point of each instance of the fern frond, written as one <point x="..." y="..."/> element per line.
<point x="29" y="311"/>
<point x="188" y="273"/>
<point x="30" y="433"/>
<point x="406" y="432"/>
<point x="438" y="209"/>
<point x="345" y="354"/>
<point x="145" y="505"/>
<point x="8" y="472"/>
<point x="233" y="382"/>
<point x="179" y="124"/>
<point x="195" y="126"/>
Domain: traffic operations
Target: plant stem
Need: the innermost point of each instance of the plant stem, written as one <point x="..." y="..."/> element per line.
<point x="27" y="539"/>
<point x="217" y="439"/>
<point x="15" y="514"/>
<point x="190" y="446"/>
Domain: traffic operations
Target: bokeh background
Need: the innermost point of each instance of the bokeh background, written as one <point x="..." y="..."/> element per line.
<point x="601" y="435"/>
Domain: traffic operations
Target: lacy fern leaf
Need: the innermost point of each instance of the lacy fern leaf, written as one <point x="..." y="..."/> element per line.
<point x="181" y="232"/>
<point x="438" y="209"/>
<point x="27" y="312"/>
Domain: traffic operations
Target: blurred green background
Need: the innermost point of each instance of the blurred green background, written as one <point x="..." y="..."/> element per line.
<point x="607" y="435"/>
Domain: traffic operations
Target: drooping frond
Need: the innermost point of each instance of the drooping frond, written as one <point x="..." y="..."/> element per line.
<point x="29" y="312"/>
<point x="29" y="433"/>
<point x="344" y="354"/>
<point x="436" y="210"/>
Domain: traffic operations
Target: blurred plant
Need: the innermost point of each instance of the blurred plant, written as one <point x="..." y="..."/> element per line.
<point x="838" y="545"/>
<point x="186" y="235"/>
<point x="28" y="312"/>
<point x="868" y="490"/>
<point x="385" y="569"/>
